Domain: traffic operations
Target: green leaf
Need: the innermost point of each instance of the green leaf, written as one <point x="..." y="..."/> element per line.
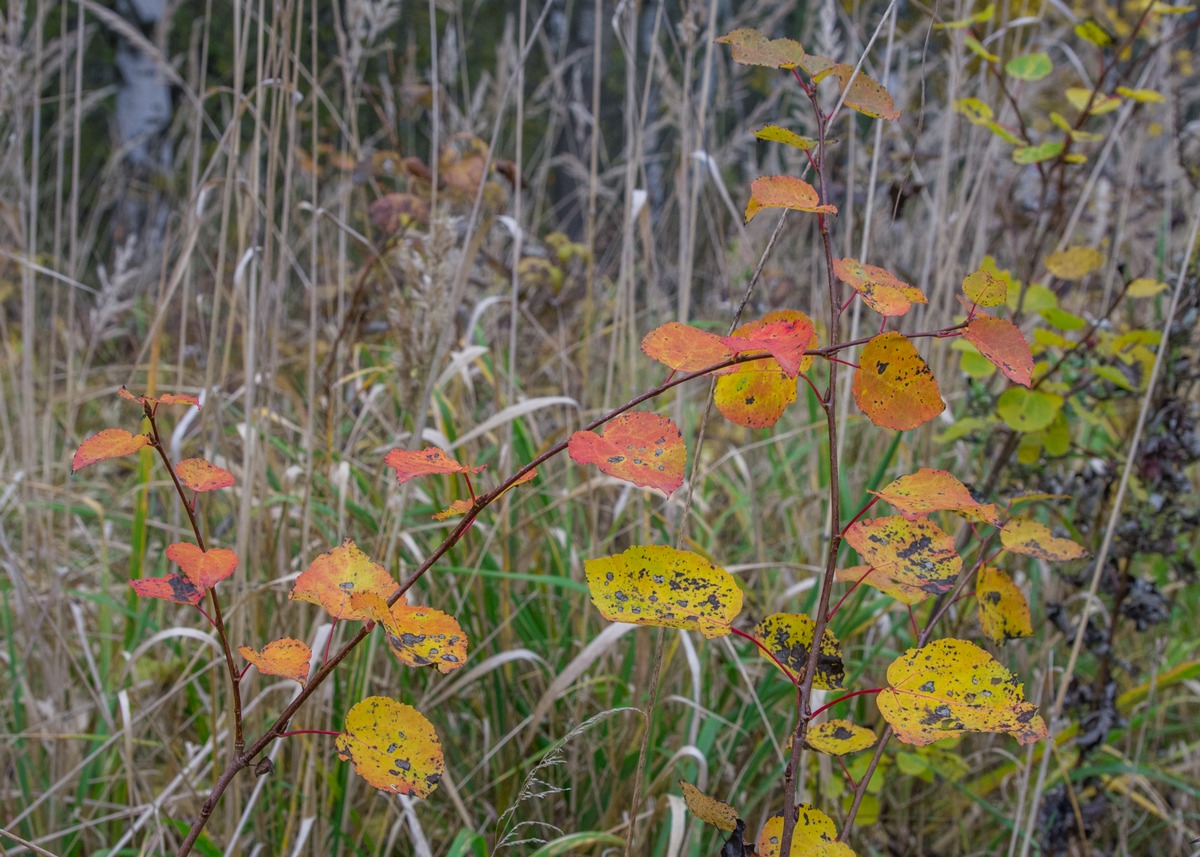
<point x="1037" y="154"/>
<point x="779" y="134"/>
<point x="1033" y="66"/>
<point x="1028" y="410"/>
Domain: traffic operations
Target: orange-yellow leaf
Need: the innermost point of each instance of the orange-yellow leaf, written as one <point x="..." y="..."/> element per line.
<point x="287" y="658"/>
<point x="839" y="737"/>
<point x="643" y="448"/>
<point x="756" y="394"/>
<point x="335" y="576"/>
<point x="784" y="192"/>
<point x="684" y="348"/>
<point x="881" y="290"/>
<point x="173" y="587"/>
<point x="410" y="464"/>
<point x="458" y="507"/>
<point x="779" y="134"/>
<point x="866" y="95"/>
<point x="164" y="399"/>
<point x="204" y="568"/>
<point x="1074" y="263"/>
<point x="1028" y="537"/>
<point x="916" y="553"/>
<point x="750" y="47"/>
<point x="930" y="490"/>
<point x="393" y="747"/>
<point x="708" y="809"/>
<point x="893" y="385"/>
<point x="659" y="585"/>
<point x="1003" y="609"/>
<point x="985" y="289"/>
<point x="865" y="575"/>
<point x="815" y="835"/>
<point x="784" y="334"/>
<point x="110" y="443"/>
<point x="789" y="636"/>
<point x="950" y="687"/>
<point x="418" y="636"/>
<point x="201" y="475"/>
<point x="1004" y="346"/>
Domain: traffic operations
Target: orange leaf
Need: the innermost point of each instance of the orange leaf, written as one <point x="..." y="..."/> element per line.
<point x="643" y="448"/>
<point x="866" y="95"/>
<point x="815" y="836"/>
<point x="1003" y="610"/>
<point x="893" y="385"/>
<point x="930" y="490"/>
<point x="1028" y="537"/>
<point x="950" y="687"/>
<point x="916" y="553"/>
<point x="201" y="475"/>
<point x="334" y="577"/>
<point x="173" y="587"/>
<point x="410" y="464"/>
<point x="750" y="47"/>
<point x="288" y="658"/>
<point x="881" y="290"/>
<point x="1003" y="345"/>
<point x="839" y="737"/>
<point x="756" y="394"/>
<point x="164" y="399"/>
<point x="110" y="443"/>
<point x="785" y="335"/>
<point x="393" y="747"/>
<point x="418" y="636"/>
<point x="458" y="507"/>
<point x="684" y="348"/>
<point x="789" y="637"/>
<point x="787" y="192"/>
<point x="203" y="568"/>
<point x="985" y="289"/>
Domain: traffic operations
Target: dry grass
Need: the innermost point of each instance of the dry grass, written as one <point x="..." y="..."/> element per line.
<point x="255" y="277"/>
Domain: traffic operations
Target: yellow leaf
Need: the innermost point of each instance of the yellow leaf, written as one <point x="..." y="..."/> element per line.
<point x="1030" y="538"/>
<point x="1145" y="287"/>
<point x="789" y="636"/>
<point x="393" y="747"/>
<point x="838" y="737"/>
<point x="929" y="490"/>
<point x="917" y="554"/>
<point x="1074" y="263"/>
<point x="1146" y="96"/>
<point x="815" y="836"/>
<point x="335" y="576"/>
<point x="1078" y="96"/>
<point x="708" y="809"/>
<point x="984" y="289"/>
<point x="1003" y="610"/>
<point x="893" y="385"/>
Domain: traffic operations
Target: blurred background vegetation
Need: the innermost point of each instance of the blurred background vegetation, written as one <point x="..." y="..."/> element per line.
<point x="357" y="225"/>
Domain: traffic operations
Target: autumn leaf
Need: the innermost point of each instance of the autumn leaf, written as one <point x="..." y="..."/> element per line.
<point x="287" y="658"/>
<point x="865" y="95"/>
<point x="815" y="835"/>
<point x="454" y="510"/>
<point x="982" y="288"/>
<point x="173" y="587"/>
<point x="785" y="334"/>
<point x="393" y="747"/>
<point x="750" y="47"/>
<point x="790" y="192"/>
<point x="685" y="348"/>
<point x="110" y="443"/>
<point x="418" y="636"/>
<point x="789" y="636"/>
<point x="204" y="568"/>
<point x="839" y="737"/>
<point x="660" y="585"/>
<point x="335" y="576"/>
<point x="1003" y="344"/>
<point x="917" y="553"/>
<point x="865" y="575"/>
<point x="1074" y="263"/>
<point x="643" y="448"/>
<point x="1003" y="609"/>
<point x="708" y="809"/>
<point x="164" y="399"/>
<point x="410" y="464"/>
<point x="929" y="490"/>
<point x="881" y="290"/>
<point x="200" y="475"/>
<point x="950" y="687"/>
<point x="893" y="385"/>
<point x="756" y="394"/>
<point x="1030" y="538"/>
<point x="779" y="134"/>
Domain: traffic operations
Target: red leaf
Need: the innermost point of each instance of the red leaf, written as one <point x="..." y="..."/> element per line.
<point x="684" y="348"/>
<point x="1003" y="345"/>
<point x="164" y="399"/>
<point x="203" y="568"/>
<point x="110" y="443"/>
<point x="642" y="448"/>
<point x="173" y="587"/>
<point x="201" y="475"/>
<point x="410" y="464"/>
<point x="784" y="192"/>
<point x="786" y="335"/>
<point x="893" y="385"/>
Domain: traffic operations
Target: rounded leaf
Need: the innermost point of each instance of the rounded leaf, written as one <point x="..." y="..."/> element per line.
<point x="865" y="95"/>
<point x="708" y="809"/>
<point x="755" y="395"/>
<point x="110" y="443"/>
<point x="417" y="636"/>
<point x="454" y="510"/>
<point x="929" y="490"/>
<point x="409" y="464"/>
<point x="334" y="577"/>
<point x="983" y="288"/>
<point x="750" y="47"/>
<point x="204" y="568"/>
<point x="789" y="636"/>
<point x="1003" y="344"/>
<point x="918" y="553"/>
<point x="815" y="835"/>
<point x="286" y="657"/>
<point x="893" y="385"/>
<point x="173" y="587"/>
<point x="779" y="134"/>
<point x="643" y="448"/>
<point x="393" y="747"/>
<point x="1028" y="410"/>
<point x="659" y="585"/>
<point x="785" y="334"/>
<point x="1031" y="538"/>
<point x="200" y="475"/>
<point x="866" y="575"/>
<point x="684" y="348"/>
<point x="881" y="290"/>
<point x="839" y="737"/>
<point x="950" y="687"/>
<point x="1074" y="263"/>
<point x="787" y="192"/>
<point x="1003" y="609"/>
<point x="1033" y="66"/>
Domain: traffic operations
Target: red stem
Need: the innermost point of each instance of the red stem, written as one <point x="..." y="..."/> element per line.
<point x="308" y="732"/>
<point x="828" y="705"/>
<point x="762" y="648"/>
<point x="838" y="606"/>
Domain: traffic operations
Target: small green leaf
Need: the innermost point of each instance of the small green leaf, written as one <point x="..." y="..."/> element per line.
<point x="1037" y="154"/>
<point x="1033" y="66"/>
<point x="1028" y="410"/>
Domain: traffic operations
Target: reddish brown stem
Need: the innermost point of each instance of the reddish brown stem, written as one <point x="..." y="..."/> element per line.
<point x="829" y="705"/>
